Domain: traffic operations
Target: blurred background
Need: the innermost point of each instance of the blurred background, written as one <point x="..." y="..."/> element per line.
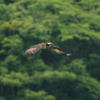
<point x="74" y="26"/>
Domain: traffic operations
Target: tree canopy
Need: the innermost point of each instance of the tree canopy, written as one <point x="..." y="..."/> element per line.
<point x="74" y="26"/>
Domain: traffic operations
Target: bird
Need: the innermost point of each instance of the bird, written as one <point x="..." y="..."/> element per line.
<point x="48" y="45"/>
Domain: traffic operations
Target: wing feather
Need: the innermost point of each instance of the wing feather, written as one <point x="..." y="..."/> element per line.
<point x="57" y="49"/>
<point x="33" y="49"/>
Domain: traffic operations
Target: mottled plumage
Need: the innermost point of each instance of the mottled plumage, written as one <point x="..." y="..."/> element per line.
<point x="35" y="48"/>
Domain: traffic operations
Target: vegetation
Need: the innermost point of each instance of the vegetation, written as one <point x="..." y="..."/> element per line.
<point x="73" y="25"/>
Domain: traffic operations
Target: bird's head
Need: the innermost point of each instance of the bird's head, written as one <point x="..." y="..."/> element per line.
<point x="49" y="44"/>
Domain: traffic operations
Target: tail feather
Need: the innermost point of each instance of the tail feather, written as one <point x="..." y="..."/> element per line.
<point x="68" y="54"/>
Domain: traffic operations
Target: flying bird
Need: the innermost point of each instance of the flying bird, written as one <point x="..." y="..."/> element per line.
<point x="35" y="48"/>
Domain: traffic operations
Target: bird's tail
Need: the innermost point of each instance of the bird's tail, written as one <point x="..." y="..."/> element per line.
<point x="68" y="54"/>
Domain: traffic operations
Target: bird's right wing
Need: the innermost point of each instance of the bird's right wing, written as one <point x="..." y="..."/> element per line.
<point x="57" y="49"/>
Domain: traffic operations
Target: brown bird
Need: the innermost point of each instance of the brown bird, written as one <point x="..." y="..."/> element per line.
<point x="35" y="48"/>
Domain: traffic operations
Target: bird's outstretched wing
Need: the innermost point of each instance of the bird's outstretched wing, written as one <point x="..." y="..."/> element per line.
<point x="33" y="49"/>
<point x="57" y="49"/>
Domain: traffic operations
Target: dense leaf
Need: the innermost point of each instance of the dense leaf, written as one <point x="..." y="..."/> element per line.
<point x="73" y="25"/>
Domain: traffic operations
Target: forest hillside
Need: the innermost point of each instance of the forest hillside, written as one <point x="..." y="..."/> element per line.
<point x="74" y="26"/>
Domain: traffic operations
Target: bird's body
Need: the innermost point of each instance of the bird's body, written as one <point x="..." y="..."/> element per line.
<point x="35" y="48"/>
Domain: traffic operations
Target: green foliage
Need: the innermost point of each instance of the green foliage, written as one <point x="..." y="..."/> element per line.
<point x="87" y="88"/>
<point x="14" y="79"/>
<point x="3" y="70"/>
<point x="93" y="63"/>
<point x="77" y="66"/>
<point x="2" y="98"/>
<point x="71" y="24"/>
<point x="41" y="95"/>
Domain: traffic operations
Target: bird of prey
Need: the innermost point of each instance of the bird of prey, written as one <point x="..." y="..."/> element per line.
<point x="35" y="48"/>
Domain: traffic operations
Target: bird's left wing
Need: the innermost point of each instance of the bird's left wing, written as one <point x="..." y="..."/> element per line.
<point x="33" y="49"/>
